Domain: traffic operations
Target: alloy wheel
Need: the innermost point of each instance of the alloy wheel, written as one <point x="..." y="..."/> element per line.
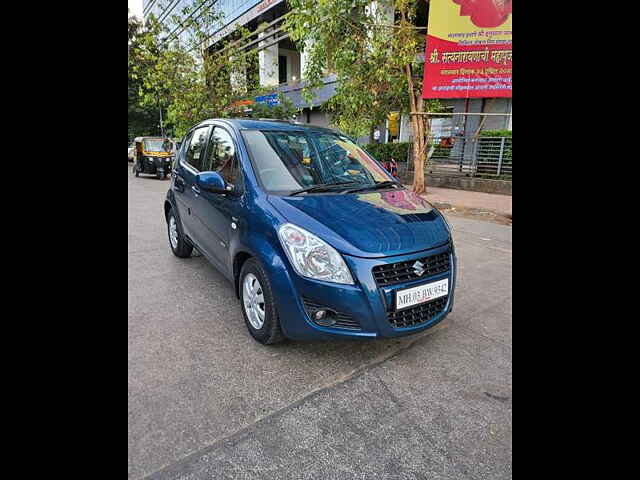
<point x="173" y="232"/>
<point x="253" y="299"/>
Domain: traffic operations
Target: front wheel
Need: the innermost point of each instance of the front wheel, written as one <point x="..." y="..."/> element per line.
<point x="258" y="304"/>
<point x="177" y="242"/>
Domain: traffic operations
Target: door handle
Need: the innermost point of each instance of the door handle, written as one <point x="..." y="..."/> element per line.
<point x="195" y="190"/>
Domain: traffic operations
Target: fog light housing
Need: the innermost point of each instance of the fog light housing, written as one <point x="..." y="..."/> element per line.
<point x="324" y="318"/>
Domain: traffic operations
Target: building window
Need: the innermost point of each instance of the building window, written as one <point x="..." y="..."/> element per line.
<point x="282" y="69"/>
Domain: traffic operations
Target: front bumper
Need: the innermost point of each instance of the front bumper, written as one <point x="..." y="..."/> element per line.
<point x="364" y="302"/>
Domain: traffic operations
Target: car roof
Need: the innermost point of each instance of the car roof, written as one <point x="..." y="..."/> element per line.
<point x="139" y="139"/>
<point x="267" y="124"/>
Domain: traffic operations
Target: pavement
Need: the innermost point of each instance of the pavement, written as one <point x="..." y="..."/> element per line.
<point x="207" y="401"/>
<point x="490" y="201"/>
<point x="486" y="206"/>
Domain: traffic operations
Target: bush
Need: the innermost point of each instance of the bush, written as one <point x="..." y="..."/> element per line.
<point x="496" y="133"/>
<point x="384" y="151"/>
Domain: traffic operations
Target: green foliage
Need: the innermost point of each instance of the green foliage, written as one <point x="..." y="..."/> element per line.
<point x="367" y="50"/>
<point x="495" y="133"/>
<point x="440" y="151"/>
<point x="284" y="111"/>
<point x="188" y="82"/>
<point x="385" y="151"/>
<point x="141" y="120"/>
<point x="374" y="49"/>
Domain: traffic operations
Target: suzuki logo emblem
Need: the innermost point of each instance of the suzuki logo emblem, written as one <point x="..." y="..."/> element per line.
<point x="418" y="268"/>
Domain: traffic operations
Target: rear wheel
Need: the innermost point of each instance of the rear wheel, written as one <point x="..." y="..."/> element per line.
<point x="177" y="242"/>
<point x="258" y="304"/>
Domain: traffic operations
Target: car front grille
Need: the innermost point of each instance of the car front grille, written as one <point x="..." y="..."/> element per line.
<point x="400" y="272"/>
<point x="418" y="314"/>
<point x="342" y="319"/>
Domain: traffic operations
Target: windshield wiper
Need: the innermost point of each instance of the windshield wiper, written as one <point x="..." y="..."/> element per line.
<point x="322" y="187"/>
<point x="375" y="186"/>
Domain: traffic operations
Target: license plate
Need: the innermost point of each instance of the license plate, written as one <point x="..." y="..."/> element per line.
<point x="421" y="294"/>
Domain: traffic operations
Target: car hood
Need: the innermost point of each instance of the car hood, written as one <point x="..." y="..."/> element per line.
<point x="368" y="224"/>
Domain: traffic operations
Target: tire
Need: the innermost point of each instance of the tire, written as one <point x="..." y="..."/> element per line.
<point x="159" y="176"/>
<point x="269" y="332"/>
<point x="179" y="247"/>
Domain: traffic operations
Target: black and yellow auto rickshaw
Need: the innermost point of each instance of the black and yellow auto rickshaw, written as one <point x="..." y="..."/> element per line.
<point x="153" y="155"/>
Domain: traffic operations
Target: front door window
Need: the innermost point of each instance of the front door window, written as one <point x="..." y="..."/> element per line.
<point x="195" y="152"/>
<point x="222" y="156"/>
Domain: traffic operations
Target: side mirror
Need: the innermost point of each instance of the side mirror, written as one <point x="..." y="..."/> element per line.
<point x="211" y="182"/>
<point x="214" y="183"/>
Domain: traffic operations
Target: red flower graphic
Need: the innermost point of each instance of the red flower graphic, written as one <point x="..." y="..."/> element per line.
<point x="485" y="13"/>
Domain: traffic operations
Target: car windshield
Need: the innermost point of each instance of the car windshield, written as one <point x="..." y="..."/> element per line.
<point x="288" y="161"/>
<point x="157" y="145"/>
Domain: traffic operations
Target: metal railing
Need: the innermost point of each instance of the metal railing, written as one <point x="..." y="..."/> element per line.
<point x="493" y="156"/>
<point x="466" y="156"/>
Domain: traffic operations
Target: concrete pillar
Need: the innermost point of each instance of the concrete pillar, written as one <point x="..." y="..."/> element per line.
<point x="472" y="123"/>
<point x="304" y="57"/>
<point x="268" y="62"/>
<point x="406" y="133"/>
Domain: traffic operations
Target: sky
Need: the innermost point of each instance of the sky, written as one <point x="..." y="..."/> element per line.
<point x="135" y="8"/>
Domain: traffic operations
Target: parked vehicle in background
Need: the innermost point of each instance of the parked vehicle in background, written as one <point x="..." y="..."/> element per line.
<point x="132" y="149"/>
<point x="153" y="155"/>
<point x="316" y="236"/>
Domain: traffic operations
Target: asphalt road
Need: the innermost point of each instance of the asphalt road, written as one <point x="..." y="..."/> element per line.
<point x="207" y="401"/>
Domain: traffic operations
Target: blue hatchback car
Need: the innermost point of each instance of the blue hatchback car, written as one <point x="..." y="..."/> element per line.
<point x="317" y="238"/>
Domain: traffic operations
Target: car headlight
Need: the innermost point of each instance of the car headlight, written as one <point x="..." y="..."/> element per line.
<point x="312" y="257"/>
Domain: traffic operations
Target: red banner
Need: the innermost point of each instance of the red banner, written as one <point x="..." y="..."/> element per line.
<point x="468" y="52"/>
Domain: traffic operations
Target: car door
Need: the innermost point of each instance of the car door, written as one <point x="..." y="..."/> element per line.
<point x="186" y="190"/>
<point x="220" y="212"/>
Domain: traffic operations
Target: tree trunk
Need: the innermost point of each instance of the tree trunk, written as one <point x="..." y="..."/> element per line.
<point x="418" y="167"/>
<point x="418" y="125"/>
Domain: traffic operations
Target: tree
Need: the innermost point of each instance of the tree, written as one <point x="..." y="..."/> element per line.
<point x="141" y="120"/>
<point x="374" y="49"/>
<point x="189" y="80"/>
